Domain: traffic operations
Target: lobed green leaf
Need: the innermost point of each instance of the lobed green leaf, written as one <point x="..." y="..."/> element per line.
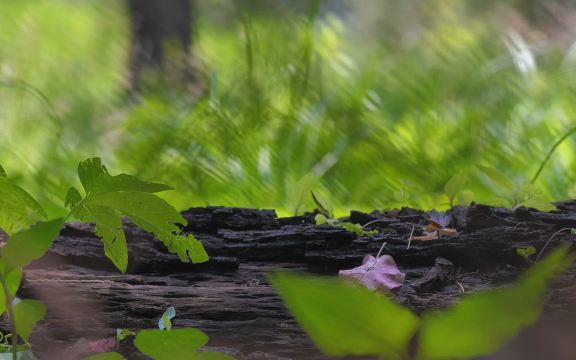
<point x="73" y="197"/>
<point x="13" y="204"/>
<point x="110" y="197"/>
<point x="89" y="171"/>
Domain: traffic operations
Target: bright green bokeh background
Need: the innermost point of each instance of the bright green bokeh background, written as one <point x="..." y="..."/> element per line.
<point x="361" y="111"/>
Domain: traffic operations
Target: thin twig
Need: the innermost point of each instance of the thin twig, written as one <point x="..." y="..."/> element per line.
<point x="461" y="287"/>
<point x="380" y="252"/>
<point x="556" y="233"/>
<point x="410" y="238"/>
<point x="371" y="222"/>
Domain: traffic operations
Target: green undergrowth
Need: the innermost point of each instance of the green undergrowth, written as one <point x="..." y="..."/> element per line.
<point x="282" y="96"/>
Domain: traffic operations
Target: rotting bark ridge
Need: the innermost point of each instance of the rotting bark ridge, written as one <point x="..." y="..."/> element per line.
<point x="230" y="299"/>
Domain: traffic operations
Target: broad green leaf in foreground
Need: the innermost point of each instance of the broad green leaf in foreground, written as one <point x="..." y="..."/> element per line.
<point x="26" y="314"/>
<point x="301" y="193"/>
<point x="454" y="185"/>
<point x="345" y="318"/>
<point x="481" y="324"/>
<point x="29" y="244"/>
<point x="110" y="197"/>
<point x="106" y="356"/>
<point x="497" y="178"/>
<point x="170" y="345"/>
<point x="13" y="204"/>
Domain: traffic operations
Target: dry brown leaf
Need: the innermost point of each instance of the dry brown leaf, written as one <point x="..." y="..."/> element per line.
<point x="436" y="234"/>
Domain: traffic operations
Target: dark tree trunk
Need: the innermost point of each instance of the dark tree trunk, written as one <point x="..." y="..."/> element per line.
<point x="154" y="24"/>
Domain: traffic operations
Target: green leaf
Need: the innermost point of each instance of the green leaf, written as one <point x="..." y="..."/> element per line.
<point x="89" y="171"/>
<point x="2" y="172"/>
<point x="324" y="205"/>
<point x="121" y="334"/>
<point x="454" y="185"/>
<point x="526" y="252"/>
<point x="95" y="179"/>
<point x="30" y="244"/>
<point x="13" y="280"/>
<point x="499" y="202"/>
<point x="164" y="321"/>
<point x="170" y="345"/>
<point x="124" y="182"/>
<point x="320" y="219"/>
<point x="73" y="197"/>
<point x="300" y="194"/>
<point x="538" y="203"/>
<point x="26" y="314"/>
<point x="497" y="178"/>
<point x="481" y="324"/>
<point x="13" y="203"/>
<point x="344" y="318"/>
<point x="408" y="183"/>
<point x="357" y="228"/>
<point x="399" y="195"/>
<point x="110" y="197"/>
<point x="109" y="229"/>
<point x="106" y="356"/>
<point x="212" y="355"/>
<point x="467" y="196"/>
<point x="527" y="187"/>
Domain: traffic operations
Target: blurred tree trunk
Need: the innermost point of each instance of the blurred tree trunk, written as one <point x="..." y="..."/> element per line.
<point x="161" y="31"/>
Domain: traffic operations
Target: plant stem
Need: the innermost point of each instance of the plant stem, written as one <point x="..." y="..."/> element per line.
<point x="551" y="237"/>
<point x="551" y="152"/>
<point x="11" y="316"/>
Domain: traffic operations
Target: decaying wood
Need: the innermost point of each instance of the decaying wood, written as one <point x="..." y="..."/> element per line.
<point x="230" y="299"/>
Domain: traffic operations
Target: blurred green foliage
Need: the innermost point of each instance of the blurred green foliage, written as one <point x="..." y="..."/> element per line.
<point x="284" y="94"/>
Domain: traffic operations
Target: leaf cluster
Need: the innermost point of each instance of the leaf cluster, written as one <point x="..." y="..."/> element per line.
<point x="527" y="192"/>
